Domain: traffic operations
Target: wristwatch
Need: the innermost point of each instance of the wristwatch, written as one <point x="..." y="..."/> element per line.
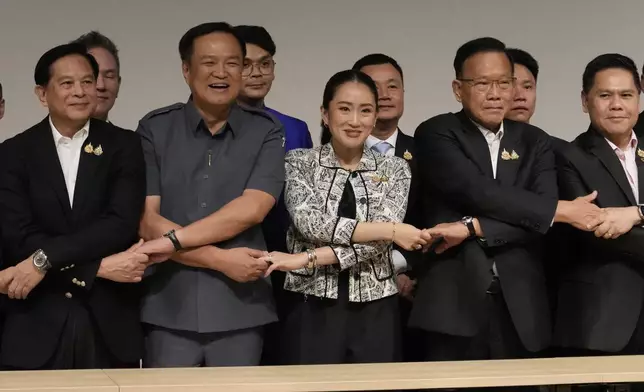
<point x="40" y="260"/>
<point x="173" y="238"/>
<point x="468" y="221"/>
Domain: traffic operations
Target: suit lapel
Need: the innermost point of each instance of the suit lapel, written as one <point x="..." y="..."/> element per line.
<point x="404" y="146"/>
<point x="476" y="144"/>
<point x="600" y="148"/>
<point x="88" y="164"/>
<point x="46" y="158"/>
<point x="510" y="154"/>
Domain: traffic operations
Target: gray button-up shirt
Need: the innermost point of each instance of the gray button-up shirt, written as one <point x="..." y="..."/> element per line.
<point x="197" y="173"/>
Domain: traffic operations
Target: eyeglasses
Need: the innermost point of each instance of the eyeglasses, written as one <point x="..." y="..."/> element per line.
<point x="484" y="85"/>
<point x="265" y="67"/>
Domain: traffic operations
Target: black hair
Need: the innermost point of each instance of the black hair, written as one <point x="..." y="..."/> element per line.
<point x="42" y="73"/>
<point x="337" y="81"/>
<point x="94" y="39"/>
<point x="0" y="90"/>
<point x="524" y="58"/>
<point x="187" y="42"/>
<point x="476" y="46"/>
<point x="257" y="35"/>
<point x="377" y="59"/>
<point x="608" y="61"/>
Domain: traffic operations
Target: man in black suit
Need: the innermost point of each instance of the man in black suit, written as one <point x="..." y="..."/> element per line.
<point x="483" y="295"/>
<point x="71" y="196"/>
<point x="602" y="292"/>
<point x="387" y="138"/>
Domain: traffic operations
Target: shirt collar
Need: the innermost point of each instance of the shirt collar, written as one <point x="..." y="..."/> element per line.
<point x="632" y="143"/>
<point x="196" y="123"/>
<point x="489" y="134"/>
<point x="372" y="140"/>
<point x="84" y="131"/>
<point x="328" y="158"/>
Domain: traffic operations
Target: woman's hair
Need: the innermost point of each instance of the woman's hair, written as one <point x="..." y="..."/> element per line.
<point x="332" y="86"/>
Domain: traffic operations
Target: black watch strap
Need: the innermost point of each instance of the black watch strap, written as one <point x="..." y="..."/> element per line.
<point x="173" y="237"/>
<point x="468" y="221"/>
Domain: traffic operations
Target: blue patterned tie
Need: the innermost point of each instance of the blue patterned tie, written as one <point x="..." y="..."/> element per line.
<point x="382" y="147"/>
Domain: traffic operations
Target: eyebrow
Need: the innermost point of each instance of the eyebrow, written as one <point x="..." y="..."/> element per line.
<point x="352" y="104"/>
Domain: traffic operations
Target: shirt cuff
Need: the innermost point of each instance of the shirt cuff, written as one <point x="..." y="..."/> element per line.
<point x="400" y="264"/>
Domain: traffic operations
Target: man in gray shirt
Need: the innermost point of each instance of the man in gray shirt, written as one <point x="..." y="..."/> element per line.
<point x="214" y="170"/>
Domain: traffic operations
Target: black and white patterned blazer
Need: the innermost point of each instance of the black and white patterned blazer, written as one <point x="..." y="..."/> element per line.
<point x="314" y="185"/>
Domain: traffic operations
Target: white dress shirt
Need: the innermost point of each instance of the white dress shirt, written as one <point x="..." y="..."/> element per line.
<point x="493" y="144"/>
<point x="400" y="264"/>
<point x="69" y="152"/>
<point x="628" y="160"/>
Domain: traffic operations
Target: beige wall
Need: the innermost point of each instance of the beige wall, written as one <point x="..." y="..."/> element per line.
<point x="316" y="38"/>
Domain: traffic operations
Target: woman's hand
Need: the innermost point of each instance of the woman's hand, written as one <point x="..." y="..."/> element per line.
<point x="284" y="261"/>
<point x="408" y="237"/>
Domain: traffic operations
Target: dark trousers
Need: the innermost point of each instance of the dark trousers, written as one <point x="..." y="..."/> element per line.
<point x="80" y="345"/>
<point x="328" y="331"/>
<point x="497" y="339"/>
<point x="273" y="333"/>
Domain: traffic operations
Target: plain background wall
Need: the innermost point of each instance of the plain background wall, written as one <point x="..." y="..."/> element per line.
<point x="316" y="38"/>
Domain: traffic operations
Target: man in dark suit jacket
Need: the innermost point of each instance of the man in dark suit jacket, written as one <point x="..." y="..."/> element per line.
<point x="387" y="138"/>
<point x="602" y="292"/>
<point x="71" y="196"/>
<point x="639" y="125"/>
<point x="483" y="295"/>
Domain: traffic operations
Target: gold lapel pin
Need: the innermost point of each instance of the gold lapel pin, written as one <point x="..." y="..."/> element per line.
<point x="98" y="150"/>
<point x="505" y="155"/>
<point x="89" y="148"/>
<point x="640" y="153"/>
<point x="379" y="178"/>
<point x="407" y="155"/>
<point x="514" y="155"/>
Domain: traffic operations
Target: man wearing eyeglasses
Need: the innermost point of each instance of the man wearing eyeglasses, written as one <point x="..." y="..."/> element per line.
<point x="257" y="78"/>
<point x="483" y="295"/>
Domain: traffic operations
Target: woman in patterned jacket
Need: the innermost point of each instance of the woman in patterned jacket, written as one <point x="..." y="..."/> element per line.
<point x="346" y="204"/>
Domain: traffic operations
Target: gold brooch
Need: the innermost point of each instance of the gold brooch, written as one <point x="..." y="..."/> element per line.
<point x="506" y="156"/>
<point x="640" y="153"/>
<point x="407" y="155"/>
<point x="98" y="150"/>
<point x="379" y="178"/>
<point x="89" y="148"/>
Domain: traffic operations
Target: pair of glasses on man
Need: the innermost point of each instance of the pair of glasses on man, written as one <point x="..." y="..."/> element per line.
<point x="265" y="67"/>
<point x="484" y="85"/>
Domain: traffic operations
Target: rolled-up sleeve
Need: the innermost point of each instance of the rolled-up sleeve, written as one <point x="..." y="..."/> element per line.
<point x="304" y="204"/>
<point x="268" y="172"/>
<point x="153" y="184"/>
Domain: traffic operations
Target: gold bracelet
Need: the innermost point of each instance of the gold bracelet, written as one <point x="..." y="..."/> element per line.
<point x="315" y="258"/>
<point x="311" y="256"/>
<point x="393" y="234"/>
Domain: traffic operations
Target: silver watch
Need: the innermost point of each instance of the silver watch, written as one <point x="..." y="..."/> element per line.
<point x="40" y="261"/>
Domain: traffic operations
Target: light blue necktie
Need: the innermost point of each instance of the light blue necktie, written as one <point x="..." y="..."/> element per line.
<point x="382" y="147"/>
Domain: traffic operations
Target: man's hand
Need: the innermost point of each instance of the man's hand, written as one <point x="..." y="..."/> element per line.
<point x="124" y="267"/>
<point x="25" y="278"/>
<point x="242" y="264"/>
<point x="618" y="221"/>
<point x="581" y="213"/>
<point x="6" y="276"/>
<point x="405" y="286"/>
<point x="159" y="250"/>
<point x="453" y="234"/>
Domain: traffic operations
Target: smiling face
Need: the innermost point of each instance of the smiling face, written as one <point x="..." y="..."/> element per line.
<point x="351" y="115"/>
<point x="70" y="94"/>
<point x="214" y="69"/>
<point x="612" y="102"/>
